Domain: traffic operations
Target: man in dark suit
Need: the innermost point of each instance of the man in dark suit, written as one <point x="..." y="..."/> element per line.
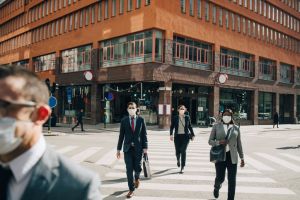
<point x="133" y="134"/>
<point x="79" y="120"/>
<point x="29" y="170"/>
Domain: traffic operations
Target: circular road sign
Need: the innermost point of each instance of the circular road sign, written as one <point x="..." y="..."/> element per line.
<point x="52" y="102"/>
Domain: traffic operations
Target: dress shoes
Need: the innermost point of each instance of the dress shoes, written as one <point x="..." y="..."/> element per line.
<point x="137" y="183"/>
<point x="129" y="195"/>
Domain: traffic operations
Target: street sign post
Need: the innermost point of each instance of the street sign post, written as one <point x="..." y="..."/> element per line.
<point x="52" y="103"/>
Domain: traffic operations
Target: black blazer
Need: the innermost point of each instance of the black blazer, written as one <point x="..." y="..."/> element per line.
<point x="187" y="128"/>
<point x="139" y="137"/>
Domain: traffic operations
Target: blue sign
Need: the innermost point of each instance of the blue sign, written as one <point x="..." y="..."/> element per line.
<point x="69" y="95"/>
<point x="110" y="96"/>
<point x="52" y="102"/>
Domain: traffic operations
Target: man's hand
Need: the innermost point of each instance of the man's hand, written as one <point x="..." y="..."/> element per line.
<point x="242" y="163"/>
<point x="118" y="155"/>
<point x="171" y="137"/>
<point x="145" y="151"/>
<point x="223" y="142"/>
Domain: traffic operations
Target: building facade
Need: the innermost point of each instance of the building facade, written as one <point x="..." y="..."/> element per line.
<point x="206" y="54"/>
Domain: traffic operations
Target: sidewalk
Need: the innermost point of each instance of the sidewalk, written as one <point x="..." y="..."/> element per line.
<point x="99" y="128"/>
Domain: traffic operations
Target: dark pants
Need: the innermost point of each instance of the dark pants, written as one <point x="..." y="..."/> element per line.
<point x="275" y="123"/>
<point x="231" y="176"/>
<point x="81" y="124"/>
<point x="133" y="160"/>
<point x="181" y="142"/>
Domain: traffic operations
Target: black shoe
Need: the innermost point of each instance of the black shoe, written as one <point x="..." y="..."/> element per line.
<point x="83" y="130"/>
<point x="72" y="129"/>
<point x="178" y="163"/>
<point x="216" y="193"/>
<point x="182" y="170"/>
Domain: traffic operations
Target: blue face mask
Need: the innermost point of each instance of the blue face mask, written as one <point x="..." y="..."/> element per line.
<point x="8" y="140"/>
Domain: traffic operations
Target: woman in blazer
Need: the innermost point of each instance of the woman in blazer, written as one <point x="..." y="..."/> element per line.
<point x="183" y="128"/>
<point x="233" y="146"/>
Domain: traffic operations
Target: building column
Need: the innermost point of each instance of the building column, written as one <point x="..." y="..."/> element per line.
<point x="215" y="102"/>
<point x="277" y="75"/>
<point x="256" y="68"/>
<point x="294" y="112"/>
<point x="217" y="57"/>
<point x="95" y="104"/>
<point x="254" y="110"/>
<point x="277" y="98"/>
<point x="164" y="105"/>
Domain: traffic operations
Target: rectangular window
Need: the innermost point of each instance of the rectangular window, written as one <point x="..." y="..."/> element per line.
<point x="239" y="23"/>
<point x="244" y="25"/>
<point x="55" y="5"/>
<point x="220" y="16"/>
<point x="66" y="24"/>
<point x="138" y="3"/>
<point x="269" y="11"/>
<point x="61" y="26"/>
<point x="121" y="6"/>
<point x="253" y="29"/>
<point x="69" y="2"/>
<point x="129" y="5"/>
<point x="76" y="20"/>
<point x="260" y="7"/>
<point x="249" y="27"/>
<point x="255" y="5"/>
<point x="182" y="6"/>
<point x="214" y="13"/>
<point x="258" y="31"/>
<point x="57" y="28"/>
<point x="232" y="21"/>
<point x="81" y="18"/>
<point x="227" y="19"/>
<point x="113" y="9"/>
<point x="71" y="22"/>
<point x="147" y="2"/>
<point x="93" y="14"/>
<point x="99" y="10"/>
<point x="192" y="7"/>
<point x="273" y="13"/>
<point x="265" y="9"/>
<point x="106" y="10"/>
<point x="207" y="11"/>
<point x="199" y="9"/>
<point x="250" y="4"/>
<point x="87" y="16"/>
<point x="245" y="3"/>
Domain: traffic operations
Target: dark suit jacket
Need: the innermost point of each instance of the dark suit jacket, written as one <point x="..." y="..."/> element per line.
<point x="54" y="177"/>
<point x="139" y="137"/>
<point x="79" y="116"/>
<point x="187" y="128"/>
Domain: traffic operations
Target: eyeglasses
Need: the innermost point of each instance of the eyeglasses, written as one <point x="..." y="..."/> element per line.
<point x="5" y="106"/>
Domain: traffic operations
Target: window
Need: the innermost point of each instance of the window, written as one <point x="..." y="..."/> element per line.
<point x="57" y="27"/>
<point x="260" y="7"/>
<point x="66" y="24"/>
<point x="81" y="18"/>
<point x="220" y="16"/>
<point x="87" y="16"/>
<point x="44" y="63"/>
<point x="129" y="5"/>
<point x="226" y="19"/>
<point x="113" y="9"/>
<point x="269" y="11"/>
<point x="253" y="29"/>
<point x="239" y="23"/>
<point x="138" y="3"/>
<point x="258" y="31"/>
<point x="199" y="9"/>
<point x="265" y="9"/>
<point x="255" y="5"/>
<point x="232" y="21"/>
<point x="100" y="10"/>
<point x="182" y="6"/>
<point x="286" y="73"/>
<point x="249" y="27"/>
<point x="71" y="23"/>
<point x="147" y="2"/>
<point x="93" y="14"/>
<point x="244" y="25"/>
<point x="192" y="7"/>
<point x="106" y="10"/>
<point x="245" y="3"/>
<point x="76" y="20"/>
<point x="121" y="6"/>
<point x="207" y="11"/>
<point x="265" y="105"/>
<point x="61" y="26"/>
<point x="250" y="4"/>
<point x="214" y="14"/>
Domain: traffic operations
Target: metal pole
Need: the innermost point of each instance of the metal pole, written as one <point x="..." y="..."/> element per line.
<point x="70" y="115"/>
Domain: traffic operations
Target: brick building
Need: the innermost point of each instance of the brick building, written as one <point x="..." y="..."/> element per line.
<point x="208" y="55"/>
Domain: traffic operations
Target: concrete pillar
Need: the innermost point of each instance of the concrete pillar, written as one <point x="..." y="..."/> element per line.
<point x="217" y="57"/>
<point x="254" y="110"/>
<point x="256" y="67"/>
<point x="168" y="47"/>
<point x="216" y="101"/>
<point x="164" y="103"/>
<point x="294" y="111"/>
<point x="95" y="103"/>
<point x="277" y="102"/>
<point x="277" y="76"/>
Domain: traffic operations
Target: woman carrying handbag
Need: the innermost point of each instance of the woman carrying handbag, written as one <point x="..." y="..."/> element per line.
<point x="227" y="134"/>
<point x="183" y="133"/>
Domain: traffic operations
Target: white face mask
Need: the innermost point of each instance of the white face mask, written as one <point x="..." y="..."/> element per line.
<point x="226" y="119"/>
<point x="181" y="112"/>
<point x="8" y="141"/>
<point x="132" y="112"/>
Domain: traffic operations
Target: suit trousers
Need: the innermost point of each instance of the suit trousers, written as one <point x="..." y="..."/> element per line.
<point x="181" y="142"/>
<point x="81" y="125"/>
<point x="133" y="161"/>
<point x="231" y="176"/>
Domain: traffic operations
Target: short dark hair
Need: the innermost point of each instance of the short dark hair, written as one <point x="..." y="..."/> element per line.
<point x="131" y="103"/>
<point x="34" y="89"/>
<point x="231" y="114"/>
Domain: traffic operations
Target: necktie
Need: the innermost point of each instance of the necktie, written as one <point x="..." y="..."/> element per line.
<point x="5" y="175"/>
<point x="132" y="124"/>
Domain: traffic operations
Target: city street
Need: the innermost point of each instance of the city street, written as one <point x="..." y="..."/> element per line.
<point x="272" y="157"/>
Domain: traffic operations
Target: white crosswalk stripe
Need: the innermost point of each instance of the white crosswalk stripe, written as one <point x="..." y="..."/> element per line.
<point x="257" y="164"/>
<point x="108" y="159"/>
<point x="281" y="162"/>
<point x="80" y="157"/>
<point x="66" y="149"/>
<point x="297" y="158"/>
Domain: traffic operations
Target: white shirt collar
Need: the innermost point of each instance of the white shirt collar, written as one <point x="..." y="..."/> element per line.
<point x="24" y="163"/>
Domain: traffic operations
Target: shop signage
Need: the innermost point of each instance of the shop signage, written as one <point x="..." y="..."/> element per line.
<point x="88" y="75"/>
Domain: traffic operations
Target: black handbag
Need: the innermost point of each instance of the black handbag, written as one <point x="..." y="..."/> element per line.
<point x="146" y="167"/>
<point x="217" y="153"/>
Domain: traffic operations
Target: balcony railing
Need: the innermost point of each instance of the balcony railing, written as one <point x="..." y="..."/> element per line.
<point x="191" y="64"/>
<point x="237" y="72"/>
<point x="129" y="60"/>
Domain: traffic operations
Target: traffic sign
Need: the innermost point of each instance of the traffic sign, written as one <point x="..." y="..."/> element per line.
<point x="52" y="102"/>
<point x="69" y="95"/>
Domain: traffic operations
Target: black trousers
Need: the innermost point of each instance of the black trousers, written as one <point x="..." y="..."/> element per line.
<point x="231" y="176"/>
<point x="181" y="142"/>
<point x="81" y="124"/>
<point x="133" y="161"/>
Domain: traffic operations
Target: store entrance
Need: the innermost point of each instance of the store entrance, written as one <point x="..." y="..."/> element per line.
<point x="286" y="108"/>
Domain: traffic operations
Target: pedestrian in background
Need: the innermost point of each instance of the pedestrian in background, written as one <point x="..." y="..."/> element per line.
<point x="29" y="170"/>
<point x="226" y="133"/>
<point x="133" y="134"/>
<point x="79" y="120"/>
<point x="182" y="135"/>
<point x="275" y="119"/>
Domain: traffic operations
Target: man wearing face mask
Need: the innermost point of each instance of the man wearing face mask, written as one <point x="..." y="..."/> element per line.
<point x="228" y="134"/>
<point x="28" y="169"/>
<point x="133" y="134"/>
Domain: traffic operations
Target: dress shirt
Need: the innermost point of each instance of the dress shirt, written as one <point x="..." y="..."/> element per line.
<point x="226" y="128"/>
<point x="22" y="167"/>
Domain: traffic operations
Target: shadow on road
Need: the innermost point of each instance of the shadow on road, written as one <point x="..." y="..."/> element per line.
<point x="291" y="147"/>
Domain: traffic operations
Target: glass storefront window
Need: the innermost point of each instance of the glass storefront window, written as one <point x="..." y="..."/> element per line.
<point x="265" y="105"/>
<point x="239" y="101"/>
<point x="44" y="63"/>
<point x="286" y="73"/>
<point x="76" y="59"/>
<point x="131" y="49"/>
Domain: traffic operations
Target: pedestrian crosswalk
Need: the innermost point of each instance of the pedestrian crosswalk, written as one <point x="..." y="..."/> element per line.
<point x="198" y="179"/>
